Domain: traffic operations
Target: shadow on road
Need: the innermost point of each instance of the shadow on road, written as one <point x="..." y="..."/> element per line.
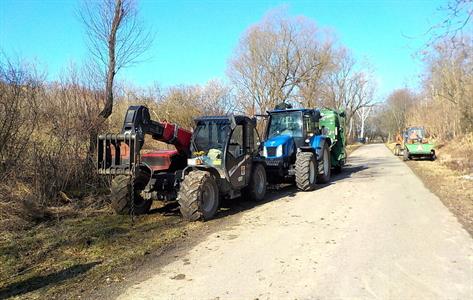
<point x="233" y="206"/>
<point x="37" y="282"/>
<point x="230" y="207"/>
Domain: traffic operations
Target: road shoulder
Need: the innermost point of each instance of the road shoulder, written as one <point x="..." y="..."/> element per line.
<point x="454" y="190"/>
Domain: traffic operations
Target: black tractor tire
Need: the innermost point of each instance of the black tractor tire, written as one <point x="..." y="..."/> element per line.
<point x="306" y="171"/>
<point x="198" y="196"/>
<point x="339" y="168"/>
<point x="121" y="195"/>
<point x="256" y="189"/>
<point x="326" y="162"/>
<point x="397" y="150"/>
<point x="406" y="155"/>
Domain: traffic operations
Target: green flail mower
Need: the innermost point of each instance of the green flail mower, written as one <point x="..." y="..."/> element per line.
<point x="416" y="145"/>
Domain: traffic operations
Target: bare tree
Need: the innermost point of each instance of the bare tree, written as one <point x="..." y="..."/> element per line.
<point x="216" y="98"/>
<point x="348" y="87"/>
<point x="448" y="85"/>
<point x="20" y="88"/>
<point x="275" y="59"/>
<point x="457" y="19"/>
<point x="116" y="39"/>
<point x="399" y="103"/>
<point x="363" y="115"/>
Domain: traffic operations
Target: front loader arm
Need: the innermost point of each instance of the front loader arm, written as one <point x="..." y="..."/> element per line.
<point x="120" y="153"/>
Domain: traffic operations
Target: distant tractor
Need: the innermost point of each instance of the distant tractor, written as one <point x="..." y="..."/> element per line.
<point x="415" y="144"/>
<point x="302" y="145"/>
<point x="224" y="163"/>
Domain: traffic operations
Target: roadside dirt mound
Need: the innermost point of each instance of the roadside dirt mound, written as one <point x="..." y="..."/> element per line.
<point x="457" y="154"/>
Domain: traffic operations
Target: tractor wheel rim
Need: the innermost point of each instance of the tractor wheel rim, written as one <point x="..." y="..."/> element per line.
<point x="208" y="196"/>
<point x="325" y="162"/>
<point x="311" y="172"/>
<point x="259" y="183"/>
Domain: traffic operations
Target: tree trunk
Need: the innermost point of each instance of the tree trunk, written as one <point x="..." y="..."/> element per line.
<point x="111" y="71"/>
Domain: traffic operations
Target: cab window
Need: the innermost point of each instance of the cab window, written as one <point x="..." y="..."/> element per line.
<point x="309" y="124"/>
<point x="235" y="147"/>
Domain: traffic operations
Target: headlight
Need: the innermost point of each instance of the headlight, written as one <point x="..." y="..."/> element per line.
<point x="279" y="151"/>
<point x="307" y="141"/>
<point x="265" y="152"/>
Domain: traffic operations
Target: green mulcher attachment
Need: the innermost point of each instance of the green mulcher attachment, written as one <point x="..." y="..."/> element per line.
<point x="417" y="145"/>
<point x="332" y="125"/>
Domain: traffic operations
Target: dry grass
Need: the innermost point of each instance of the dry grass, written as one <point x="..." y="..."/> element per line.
<point x="457" y="154"/>
<point x="70" y="257"/>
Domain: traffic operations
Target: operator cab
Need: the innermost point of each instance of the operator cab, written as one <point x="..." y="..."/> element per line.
<point x="296" y="123"/>
<point x="226" y="144"/>
<point x="414" y="134"/>
<point x="289" y="129"/>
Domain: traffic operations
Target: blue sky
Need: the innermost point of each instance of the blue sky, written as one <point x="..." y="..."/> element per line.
<point x="194" y="39"/>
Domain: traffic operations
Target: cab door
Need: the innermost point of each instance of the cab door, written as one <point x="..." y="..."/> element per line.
<point x="237" y="158"/>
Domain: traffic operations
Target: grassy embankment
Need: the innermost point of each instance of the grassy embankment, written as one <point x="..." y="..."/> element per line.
<point x="76" y="255"/>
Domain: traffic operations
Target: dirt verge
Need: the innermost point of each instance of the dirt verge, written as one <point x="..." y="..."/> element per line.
<point x="71" y="257"/>
<point x="455" y="189"/>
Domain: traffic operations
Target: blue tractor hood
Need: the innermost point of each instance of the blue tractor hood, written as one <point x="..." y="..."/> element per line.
<point x="278" y="140"/>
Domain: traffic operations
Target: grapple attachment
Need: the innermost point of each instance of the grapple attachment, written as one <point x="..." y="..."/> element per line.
<point x="118" y="153"/>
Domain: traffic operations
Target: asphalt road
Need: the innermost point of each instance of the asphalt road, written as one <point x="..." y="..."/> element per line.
<point x="375" y="232"/>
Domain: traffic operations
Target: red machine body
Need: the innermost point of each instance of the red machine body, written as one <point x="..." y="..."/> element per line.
<point x="159" y="160"/>
<point x="120" y="154"/>
<point x="179" y="137"/>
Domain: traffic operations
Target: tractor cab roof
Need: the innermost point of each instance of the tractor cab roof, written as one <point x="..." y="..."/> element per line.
<point x="239" y="119"/>
<point x="414" y="127"/>
<point x="290" y="110"/>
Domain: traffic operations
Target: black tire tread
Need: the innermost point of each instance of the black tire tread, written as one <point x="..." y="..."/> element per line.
<point x="321" y="178"/>
<point x="121" y="200"/>
<point x="119" y="194"/>
<point x="190" y="193"/>
<point x="405" y="155"/>
<point x="251" y="188"/>
<point x="302" y="171"/>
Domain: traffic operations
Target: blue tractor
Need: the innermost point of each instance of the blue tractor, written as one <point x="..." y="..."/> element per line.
<point x="298" y="147"/>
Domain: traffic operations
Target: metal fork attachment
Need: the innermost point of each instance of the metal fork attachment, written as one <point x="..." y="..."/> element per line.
<point x="118" y="153"/>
